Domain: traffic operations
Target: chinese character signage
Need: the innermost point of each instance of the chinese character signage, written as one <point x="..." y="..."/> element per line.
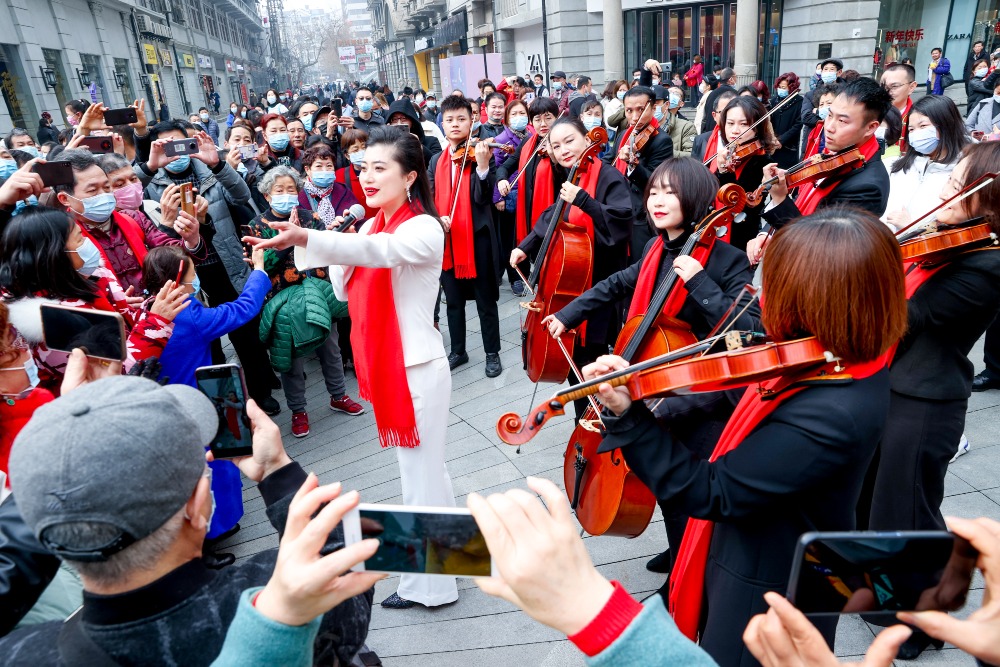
<point x="187" y="60"/>
<point x="149" y="54"/>
<point x="347" y="55"/>
<point x="908" y="35"/>
<point x="204" y="62"/>
<point x="166" y="58"/>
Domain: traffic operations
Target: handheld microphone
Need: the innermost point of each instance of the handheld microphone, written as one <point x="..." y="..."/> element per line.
<point x="352" y="215"/>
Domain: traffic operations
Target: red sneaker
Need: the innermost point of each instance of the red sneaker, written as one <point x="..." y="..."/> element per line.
<point x="346" y="404"/>
<point x="300" y="424"/>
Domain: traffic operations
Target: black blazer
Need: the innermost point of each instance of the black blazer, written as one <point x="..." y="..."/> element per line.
<point x="947" y="315"/>
<point x="698" y="147"/>
<point x="480" y="193"/>
<point x="787" y="124"/>
<point x="658" y="149"/>
<point x="750" y="178"/>
<point x="867" y="188"/>
<point x="800" y="470"/>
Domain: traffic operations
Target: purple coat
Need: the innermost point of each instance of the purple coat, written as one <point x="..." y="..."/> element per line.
<point x="505" y="137"/>
<point x="341" y="197"/>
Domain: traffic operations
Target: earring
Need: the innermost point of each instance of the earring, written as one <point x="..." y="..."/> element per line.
<point x="408" y="198"/>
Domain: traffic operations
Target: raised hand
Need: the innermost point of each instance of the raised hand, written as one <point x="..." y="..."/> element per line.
<point x="170" y="300"/>
<point x="288" y="235"/>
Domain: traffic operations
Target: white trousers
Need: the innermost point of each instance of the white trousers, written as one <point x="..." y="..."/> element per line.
<point x="422" y="469"/>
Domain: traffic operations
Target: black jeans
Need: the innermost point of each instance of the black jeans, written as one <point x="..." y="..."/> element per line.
<point x="991" y="354"/>
<point x="482" y="288"/>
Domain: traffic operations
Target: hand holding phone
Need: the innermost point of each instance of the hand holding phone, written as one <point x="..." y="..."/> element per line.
<point x="187" y="198"/>
<point x="247" y="152"/>
<point x="54" y="173"/>
<point x="100" y="334"/>
<point x="124" y="116"/>
<point x="225" y="387"/>
<point x="179" y="147"/>
<point x="98" y="145"/>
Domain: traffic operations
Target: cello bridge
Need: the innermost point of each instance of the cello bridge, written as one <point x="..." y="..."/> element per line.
<point x="592" y="425"/>
<point x="733" y="341"/>
<point x="533" y="306"/>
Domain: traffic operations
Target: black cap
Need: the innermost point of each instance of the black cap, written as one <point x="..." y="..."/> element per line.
<point x="558" y="74"/>
<point x="832" y="61"/>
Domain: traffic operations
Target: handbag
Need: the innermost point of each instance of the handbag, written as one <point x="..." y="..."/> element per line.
<point x="946" y="80"/>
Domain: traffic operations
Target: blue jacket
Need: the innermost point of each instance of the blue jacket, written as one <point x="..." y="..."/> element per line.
<point x="213" y="129"/>
<point x="195" y="327"/>
<point x="943" y="68"/>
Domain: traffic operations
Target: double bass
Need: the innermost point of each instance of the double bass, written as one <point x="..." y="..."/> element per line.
<point x="606" y="494"/>
<point x="562" y="273"/>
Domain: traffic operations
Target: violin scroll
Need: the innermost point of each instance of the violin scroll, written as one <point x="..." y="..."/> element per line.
<point x="732" y="195"/>
<point x="512" y="430"/>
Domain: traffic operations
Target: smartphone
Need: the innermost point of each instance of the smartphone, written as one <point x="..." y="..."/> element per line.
<point x="54" y="173"/>
<point x="98" y="145"/>
<point x="338" y="107"/>
<point x="101" y="334"/>
<point x="225" y="387"/>
<point x="120" y="116"/>
<point x="420" y="540"/>
<point x="881" y="573"/>
<point x="247" y="152"/>
<point x="187" y="198"/>
<point x="180" y="147"/>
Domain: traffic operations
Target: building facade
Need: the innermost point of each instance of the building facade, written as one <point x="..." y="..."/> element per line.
<point x="114" y="52"/>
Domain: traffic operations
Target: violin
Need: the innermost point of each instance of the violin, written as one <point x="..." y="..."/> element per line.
<point x="658" y="377"/>
<point x="734" y="142"/>
<point x="812" y="169"/>
<point x="640" y="139"/>
<point x="468" y="150"/>
<point x="743" y="152"/>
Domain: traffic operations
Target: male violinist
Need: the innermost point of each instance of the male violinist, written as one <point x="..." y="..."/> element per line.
<point x="471" y="255"/>
<point x="855" y="114"/>
<point x="637" y="166"/>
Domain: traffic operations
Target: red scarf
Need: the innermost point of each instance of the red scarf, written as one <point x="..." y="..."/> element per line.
<point x="647" y="279"/>
<point x="712" y="149"/>
<point x="542" y="193"/>
<point x="459" y="242"/>
<point x="622" y="165"/>
<point x="351" y="180"/>
<point x="13" y="417"/>
<point x="134" y="237"/>
<point x="812" y="143"/>
<point x="811" y="194"/>
<point x="588" y="181"/>
<point x="687" y="582"/>
<point x="906" y="120"/>
<point x="378" y="348"/>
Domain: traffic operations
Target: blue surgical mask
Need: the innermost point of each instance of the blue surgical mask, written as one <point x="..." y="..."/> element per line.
<point x="283" y="204"/>
<point x="241" y="169"/>
<point x="272" y="100"/>
<point x="432" y="104"/>
<point x="658" y="112"/>
<point x="204" y="117"/>
<point x="243" y="114"/>
<point x="925" y="140"/>
<point x="519" y="123"/>
<point x="323" y="179"/>
<point x="179" y="165"/>
<point x="30" y="368"/>
<point x="620" y="94"/>
<point x="307" y="122"/>
<point x="32" y="200"/>
<point x="364" y="106"/>
<point x="90" y="255"/>
<point x="475" y="126"/>
<point x="7" y="168"/>
<point x="279" y="141"/>
<point x="357" y="157"/>
<point x="675" y="101"/>
<point x="782" y="92"/>
<point x="30" y="150"/>
<point x="196" y="286"/>
<point x="828" y="77"/>
<point x="557" y="85"/>
<point x="823" y="112"/>
<point x="99" y="207"/>
<point x="233" y="110"/>
<point x="981" y="72"/>
<point x="590" y="122"/>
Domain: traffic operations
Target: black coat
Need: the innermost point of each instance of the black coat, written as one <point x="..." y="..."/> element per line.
<point x="611" y="212"/>
<point x="525" y="186"/>
<point x="867" y="188"/>
<point x="787" y="124"/>
<point x="658" y="149"/>
<point x="708" y="122"/>
<point x="26" y="567"/>
<point x="947" y="315"/>
<point x="800" y="470"/>
<point x="698" y="147"/>
<point x="750" y="178"/>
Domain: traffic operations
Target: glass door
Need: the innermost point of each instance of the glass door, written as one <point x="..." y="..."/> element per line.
<point x="651" y="36"/>
<point x="768" y="45"/>
<point x="679" y="40"/>
<point x="711" y="33"/>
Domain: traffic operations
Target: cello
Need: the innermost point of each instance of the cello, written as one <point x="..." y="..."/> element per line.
<point x="606" y="494"/>
<point x="562" y="273"/>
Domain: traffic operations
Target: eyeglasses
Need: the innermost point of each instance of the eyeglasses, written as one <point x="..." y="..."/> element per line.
<point x="895" y="86"/>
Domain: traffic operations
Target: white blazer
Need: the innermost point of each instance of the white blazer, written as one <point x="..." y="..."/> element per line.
<point x="414" y="253"/>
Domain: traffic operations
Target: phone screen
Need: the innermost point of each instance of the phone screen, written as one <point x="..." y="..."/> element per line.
<point x="424" y="541"/>
<point x="338" y="107"/>
<point x="120" y="116"/>
<point x="101" y="334"/>
<point x="846" y="573"/>
<point x="224" y="386"/>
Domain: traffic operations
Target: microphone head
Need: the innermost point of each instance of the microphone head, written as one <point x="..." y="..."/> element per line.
<point x="358" y="211"/>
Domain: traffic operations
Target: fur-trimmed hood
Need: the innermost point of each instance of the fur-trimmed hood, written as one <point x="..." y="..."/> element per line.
<point x="26" y="317"/>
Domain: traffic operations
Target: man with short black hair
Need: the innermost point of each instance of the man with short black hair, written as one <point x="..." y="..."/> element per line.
<point x="937" y="71"/>
<point x="727" y="81"/>
<point x="901" y="80"/>
<point x="20" y="139"/>
<point x="702" y="141"/>
<point x="209" y="124"/>
<point x="584" y="93"/>
<point x="112" y="479"/>
<point x="560" y="91"/>
<point x="495" y="104"/>
<point x="365" y="118"/>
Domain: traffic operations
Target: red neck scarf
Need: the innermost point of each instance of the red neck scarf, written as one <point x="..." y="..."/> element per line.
<point x="812" y="143"/>
<point x="622" y="165"/>
<point x="130" y="229"/>
<point x="811" y="194"/>
<point x="542" y="193"/>
<point x="647" y="279"/>
<point x="351" y="180"/>
<point x="906" y="118"/>
<point x="687" y="582"/>
<point x="712" y="148"/>
<point x="915" y="276"/>
<point x="459" y="243"/>
<point x="378" y="347"/>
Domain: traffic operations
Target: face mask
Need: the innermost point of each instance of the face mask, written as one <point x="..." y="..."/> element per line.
<point x="364" y="106"/>
<point x="674" y="101"/>
<point x="703" y="87"/>
<point x="557" y="85"/>
<point x="7" y="167"/>
<point x="432" y="104"/>
<point x="620" y="94"/>
<point x="272" y="100"/>
<point x="72" y="120"/>
<point x="129" y="196"/>
<point x="196" y="286"/>
<point x="179" y="165"/>
<point x="32" y="200"/>
<point x="243" y="114"/>
<point x="90" y="255"/>
<point x="204" y="117"/>
<point x="241" y="169"/>
<point x="30" y="368"/>
<point x="232" y="110"/>
<point x="880" y="133"/>
<point x="420" y="98"/>
<point x="99" y="207"/>
<point x="283" y="97"/>
<point x="519" y="123"/>
<point x="30" y="150"/>
<point x="782" y="92"/>
<point x="283" y="204"/>
<point x="279" y="141"/>
<point x="476" y="126"/>
<point x="823" y="112"/>
<point x="981" y="72"/>
<point x="307" y="123"/>
<point x="323" y="179"/>
<point x="590" y="122"/>
<point x="658" y="113"/>
<point x="357" y="157"/>
<point x="656" y="80"/>
<point x="829" y="77"/>
<point x="925" y="140"/>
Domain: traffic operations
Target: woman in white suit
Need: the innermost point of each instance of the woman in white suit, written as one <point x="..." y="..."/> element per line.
<point x="389" y="273"/>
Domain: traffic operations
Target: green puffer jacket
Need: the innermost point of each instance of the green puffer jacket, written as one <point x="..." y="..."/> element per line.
<point x="298" y="319"/>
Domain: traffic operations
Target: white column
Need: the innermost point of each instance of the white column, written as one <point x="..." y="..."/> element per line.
<point x="614" y="41"/>
<point x="747" y="35"/>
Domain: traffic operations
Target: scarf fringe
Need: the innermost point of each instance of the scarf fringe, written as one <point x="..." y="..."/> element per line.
<point x="465" y="272"/>
<point x="393" y="437"/>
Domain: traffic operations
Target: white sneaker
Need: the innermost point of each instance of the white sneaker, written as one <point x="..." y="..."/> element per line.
<point x="963" y="448"/>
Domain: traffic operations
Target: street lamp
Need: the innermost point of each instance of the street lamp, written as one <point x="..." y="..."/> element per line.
<point x="84" y="77"/>
<point x="48" y="77"/>
<point x="144" y="79"/>
<point x="119" y="79"/>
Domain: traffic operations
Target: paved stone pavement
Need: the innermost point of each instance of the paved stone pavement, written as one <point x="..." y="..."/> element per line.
<point x="479" y="629"/>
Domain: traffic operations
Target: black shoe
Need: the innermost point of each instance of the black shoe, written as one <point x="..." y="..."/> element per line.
<point x="270" y="406"/>
<point x="660" y="563"/>
<point x="517" y="287"/>
<point x="984" y="381"/>
<point x="456" y="360"/>
<point x="493" y="365"/>
<point x="217" y="560"/>
<point x="396" y="602"/>
<point x="917" y="644"/>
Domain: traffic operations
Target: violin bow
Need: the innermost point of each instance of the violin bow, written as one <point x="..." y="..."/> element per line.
<point x="759" y="121"/>
<point x="541" y="144"/>
<point x="931" y="216"/>
<point x="635" y="127"/>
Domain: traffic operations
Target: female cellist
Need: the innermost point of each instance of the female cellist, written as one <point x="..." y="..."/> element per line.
<point x="601" y="203"/>
<point x="792" y="462"/>
<point x="742" y="112"/>
<point x="679" y="194"/>
<point x="931" y="375"/>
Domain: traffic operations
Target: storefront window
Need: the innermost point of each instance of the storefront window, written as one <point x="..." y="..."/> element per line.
<point x="769" y="41"/>
<point x="121" y="67"/>
<point x="631" y="44"/>
<point x="909" y="29"/>
<point x="679" y="39"/>
<point x="14" y="87"/>
<point x="711" y="32"/>
<point x="92" y="64"/>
